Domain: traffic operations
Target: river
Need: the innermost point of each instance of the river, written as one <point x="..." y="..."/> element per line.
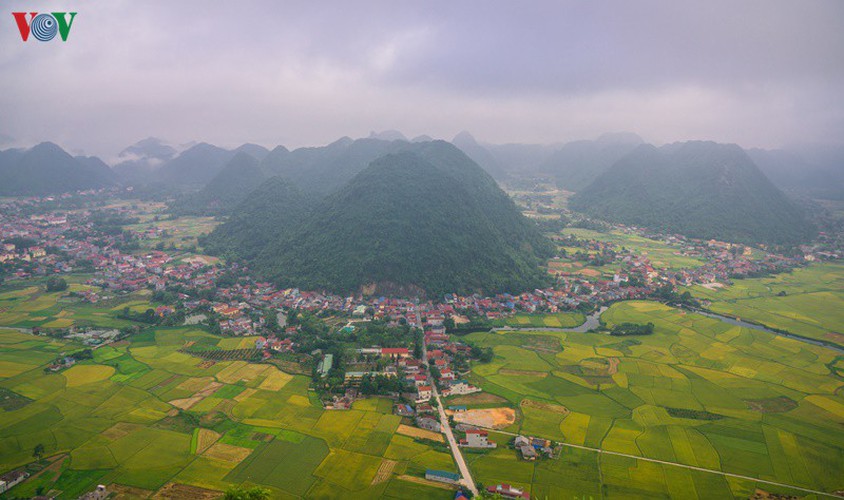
<point x="594" y="321"/>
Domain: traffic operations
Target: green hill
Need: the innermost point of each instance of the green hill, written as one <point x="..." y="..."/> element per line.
<point x="701" y="189"/>
<point x="48" y="169"/>
<point x="263" y="217"/>
<point x="578" y="163"/>
<point x="323" y="170"/>
<point x="424" y="219"/>
<point x="230" y="186"/>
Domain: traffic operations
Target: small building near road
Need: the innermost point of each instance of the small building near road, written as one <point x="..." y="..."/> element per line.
<point x="442" y="476"/>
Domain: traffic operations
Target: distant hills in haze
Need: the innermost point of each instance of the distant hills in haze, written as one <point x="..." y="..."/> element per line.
<point x="48" y="169"/>
<point x="609" y="174"/>
<point x="701" y="189"/>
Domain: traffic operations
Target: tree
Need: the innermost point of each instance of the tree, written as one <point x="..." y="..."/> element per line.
<point x="55" y="284"/>
<point x="241" y="493"/>
<point x="38" y="452"/>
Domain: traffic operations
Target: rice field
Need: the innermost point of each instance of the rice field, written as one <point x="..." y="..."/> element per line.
<point x="698" y="392"/>
<point x="807" y="301"/>
<point x="146" y="417"/>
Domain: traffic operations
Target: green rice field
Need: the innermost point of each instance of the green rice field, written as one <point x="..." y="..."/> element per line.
<point x="812" y="304"/>
<point x="143" y="415"/>
<point x="698" y="392"/>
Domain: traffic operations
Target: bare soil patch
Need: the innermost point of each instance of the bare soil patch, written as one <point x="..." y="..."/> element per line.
<point x="771" y="405"/>
<point x="490" y="418"/>
<point x="123" y="492"/>
<point x="188" y="403"/>
<point x="550" y="407"/>
<point x="421" y="480"/>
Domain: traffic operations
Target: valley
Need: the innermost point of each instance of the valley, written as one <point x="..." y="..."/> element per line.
<point x="698" y="408"/>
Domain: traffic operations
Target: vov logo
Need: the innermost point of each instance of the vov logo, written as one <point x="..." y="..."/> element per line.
<point x="44" y="27"/>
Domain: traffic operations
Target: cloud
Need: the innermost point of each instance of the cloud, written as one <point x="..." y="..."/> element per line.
<point x="759" y="73"/>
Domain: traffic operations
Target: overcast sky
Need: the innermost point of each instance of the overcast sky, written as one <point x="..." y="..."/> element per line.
<point x="758" y="73"/>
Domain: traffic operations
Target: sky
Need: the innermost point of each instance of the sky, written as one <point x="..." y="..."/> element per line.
<point x="758" y="73"/>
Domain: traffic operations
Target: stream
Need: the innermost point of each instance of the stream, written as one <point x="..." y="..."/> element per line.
<point x="594" y="321"/>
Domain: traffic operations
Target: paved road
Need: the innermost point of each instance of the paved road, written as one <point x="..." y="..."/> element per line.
<point x="691" y="467"/>
<point x="466" y="479"/>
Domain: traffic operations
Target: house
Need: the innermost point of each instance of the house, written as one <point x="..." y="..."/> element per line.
<point x="477" y="438"/>
<point x="403" y="410"/>
<point x="12" y="479"/>
<point x="457" y="408"/>
<point x="423" y="393"/>
<point x="528" y="452"/>
<point x="428" y="423"/>
<point x="507" y="491"/>
<point x="460" y="387"/>
<point x="442" y="476"/>
<point x="100" y="493"/>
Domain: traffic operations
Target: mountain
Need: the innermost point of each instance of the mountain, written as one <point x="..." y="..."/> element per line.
<point x="259" y="219"/>
<point x="806" y="171"/>
<point x="323" y="170"/>
<point x="253" y="150"/>
<point x="195" y="166"/>
<point x="479" y="154"/>
<point x="48" y="169"/>
<point x="138" y="161"/>
<point x="240" y="176"/>
<point x="97" y="169"/>
<point x="388" y="135"/>
<point x="579" y="163"/>
<point x="701" y="189"/>
<point x="520" y="159"/>
<point x="423" y="219"/>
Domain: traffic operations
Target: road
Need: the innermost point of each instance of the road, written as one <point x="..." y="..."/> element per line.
<point x="675" y="464"/>
<point x="466" y="476"/>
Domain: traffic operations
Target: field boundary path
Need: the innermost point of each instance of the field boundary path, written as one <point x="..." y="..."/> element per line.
<point x="685" y="466"/>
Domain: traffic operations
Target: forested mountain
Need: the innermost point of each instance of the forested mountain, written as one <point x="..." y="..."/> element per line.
<point x="322" y="170"/>
<point x="425" y="218"/>
<point x="239" y="177"/>
<point x="479" y="154"/>
<point x="812" y="172"/>
<point x="578" y="163"/>
<point x="48" y="169"/>
<point x="265" y="216"/>
<point x="195" y="166"/>
<point x="701" y="189"/>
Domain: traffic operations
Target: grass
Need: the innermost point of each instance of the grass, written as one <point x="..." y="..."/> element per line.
<point x="698" y="391"/>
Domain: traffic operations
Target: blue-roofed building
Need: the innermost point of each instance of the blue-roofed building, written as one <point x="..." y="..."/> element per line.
<point x="442" y="476"/>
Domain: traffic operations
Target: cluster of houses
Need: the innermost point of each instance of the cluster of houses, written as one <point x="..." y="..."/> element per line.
<point x="234" y="306"/>
<point x="530" y="448"/>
